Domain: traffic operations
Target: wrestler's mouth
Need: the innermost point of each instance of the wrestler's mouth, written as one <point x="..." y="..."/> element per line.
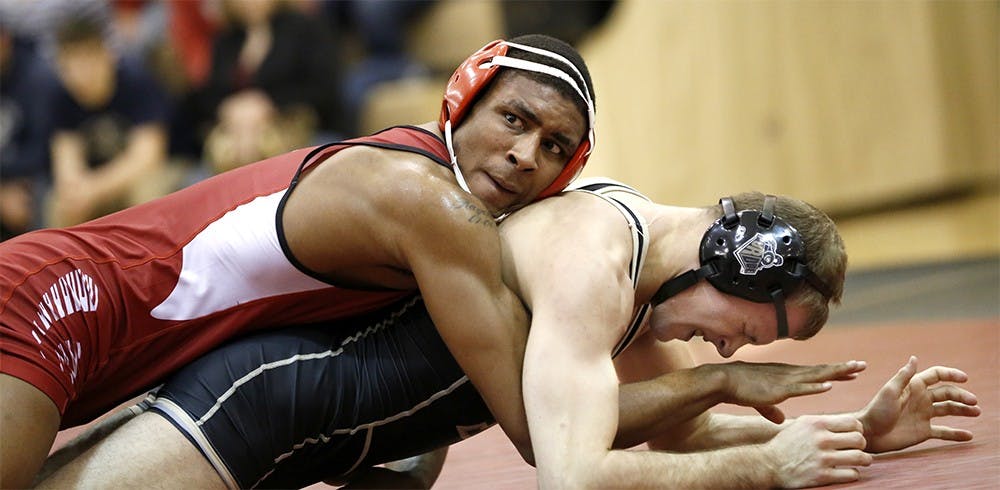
<point x="503" y="186"/>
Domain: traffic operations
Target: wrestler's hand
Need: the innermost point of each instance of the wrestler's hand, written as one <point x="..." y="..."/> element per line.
<point x="818" y="450"/>
<point x="900" y="414"/>
<point x="763" y="385"/>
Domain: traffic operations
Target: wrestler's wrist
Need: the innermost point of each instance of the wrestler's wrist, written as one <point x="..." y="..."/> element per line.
<point x="871" y="438"/>
<point x="862" y="416"/>
<point x="768" y="461"/>
<point x="716" y="380"/>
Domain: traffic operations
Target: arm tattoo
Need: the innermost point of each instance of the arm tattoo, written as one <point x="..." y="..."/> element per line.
<point x="476" y="214"/>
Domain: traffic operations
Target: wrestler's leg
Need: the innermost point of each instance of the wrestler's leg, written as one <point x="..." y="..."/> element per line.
<point x="29" y="421"/>
<point x="145" y="452"/>
<point x="94" y="434"/>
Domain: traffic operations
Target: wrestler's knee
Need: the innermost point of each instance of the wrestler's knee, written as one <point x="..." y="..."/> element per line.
<point x="29" y="421"/>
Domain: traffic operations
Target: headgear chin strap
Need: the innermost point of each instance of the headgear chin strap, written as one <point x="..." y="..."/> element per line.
<point x="751" y="254"/>
<point x="475" y="73"/>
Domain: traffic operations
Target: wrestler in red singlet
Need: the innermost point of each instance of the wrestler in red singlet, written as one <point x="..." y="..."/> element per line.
<point x="96" y="313"/>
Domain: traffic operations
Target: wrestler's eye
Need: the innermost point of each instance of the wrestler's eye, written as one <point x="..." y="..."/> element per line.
<point x="553" y="147"/>
<point x="510" y="118"/>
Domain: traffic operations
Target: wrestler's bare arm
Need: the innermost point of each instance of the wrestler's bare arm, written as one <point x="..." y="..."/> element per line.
<point x="458" y="268"/>
<point x="574" y="280"/>
<point x="899" y="416"/>
<point x="411" y="225"/>
<point x="671" y="413"/>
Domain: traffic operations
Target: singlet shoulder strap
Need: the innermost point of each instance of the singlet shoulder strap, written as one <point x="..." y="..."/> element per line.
<point x="411" y="139"/>
<point x="603" y="188"/>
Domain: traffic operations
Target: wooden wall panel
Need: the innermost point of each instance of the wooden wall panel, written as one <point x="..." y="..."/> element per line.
<point x="845" y="104"/>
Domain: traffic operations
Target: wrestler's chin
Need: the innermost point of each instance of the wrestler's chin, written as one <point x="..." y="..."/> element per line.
<point x="664" y="331"/>
<point x="497" y="201"/>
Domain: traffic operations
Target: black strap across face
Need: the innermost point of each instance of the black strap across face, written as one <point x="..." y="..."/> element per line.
<point x="782" y="314"/>
<point x="682" y="282"/>
<point x="751" y="254"/>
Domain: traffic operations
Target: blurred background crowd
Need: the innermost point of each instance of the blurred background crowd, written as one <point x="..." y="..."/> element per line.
<point x="110" y="103"/>
<point x="885" y="114"/>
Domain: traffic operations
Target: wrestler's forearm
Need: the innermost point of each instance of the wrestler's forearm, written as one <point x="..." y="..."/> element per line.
<point x="648" y="409"/>
<point x="714" y="431"/>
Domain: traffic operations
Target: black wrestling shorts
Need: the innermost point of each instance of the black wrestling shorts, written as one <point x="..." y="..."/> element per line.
<point x="292" y="407"/>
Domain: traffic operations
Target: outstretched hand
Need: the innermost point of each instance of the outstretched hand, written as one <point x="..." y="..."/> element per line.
<point x="764" y="385"/>
<point x="818" y="450"/>
<point x="899" y="416"/>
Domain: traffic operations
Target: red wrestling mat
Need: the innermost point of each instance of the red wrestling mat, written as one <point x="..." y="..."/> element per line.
<point x="489" y="461"/>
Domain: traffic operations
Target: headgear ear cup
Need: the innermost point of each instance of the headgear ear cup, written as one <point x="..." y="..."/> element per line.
<point x="755" y="252"/>
<point x="755" y="255"/>
<point x="475" y="73"/>
<point x="570" y="172"/>
<point x="468" y="80"/>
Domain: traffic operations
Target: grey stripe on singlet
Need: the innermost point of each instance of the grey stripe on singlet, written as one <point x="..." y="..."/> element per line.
<point x="302" y="357"/>
<point x="369" y="426"/>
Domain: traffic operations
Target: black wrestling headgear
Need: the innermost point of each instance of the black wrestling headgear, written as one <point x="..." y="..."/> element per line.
<point x="751" y="254"/>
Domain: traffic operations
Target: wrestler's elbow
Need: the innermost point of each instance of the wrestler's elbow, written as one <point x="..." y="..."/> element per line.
<point x="521" y="439"/>
<point x="527" y="454"/>
<point x="515" y="427"/>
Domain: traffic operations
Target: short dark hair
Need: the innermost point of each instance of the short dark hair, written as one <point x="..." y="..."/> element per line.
<point x="563" y="49"/>
<point x="560" y="48"/>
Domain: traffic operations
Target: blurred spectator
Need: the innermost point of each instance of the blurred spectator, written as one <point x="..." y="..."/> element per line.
<point x="109" y="119"/>
<point x="38" y="20"/>
<point x="174" y="40"/>
<point x="379" y="27"/>
<point x="273" y="83"/>
<point x="23" y="135"/>
<point x="192" y="26"/>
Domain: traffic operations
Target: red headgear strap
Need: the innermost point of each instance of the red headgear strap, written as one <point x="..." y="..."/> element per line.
<point x="472" y="76"/>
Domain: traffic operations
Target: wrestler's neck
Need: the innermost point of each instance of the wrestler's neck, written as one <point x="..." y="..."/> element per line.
<point x="432" y="126"/>
<point x="675" y="236"/>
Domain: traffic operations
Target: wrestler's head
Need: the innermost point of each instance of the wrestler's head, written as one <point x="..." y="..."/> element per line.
<point x="518" y="118"/>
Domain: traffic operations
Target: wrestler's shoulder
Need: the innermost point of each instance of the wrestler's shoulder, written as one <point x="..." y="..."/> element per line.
<point x="576" y="212"/>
